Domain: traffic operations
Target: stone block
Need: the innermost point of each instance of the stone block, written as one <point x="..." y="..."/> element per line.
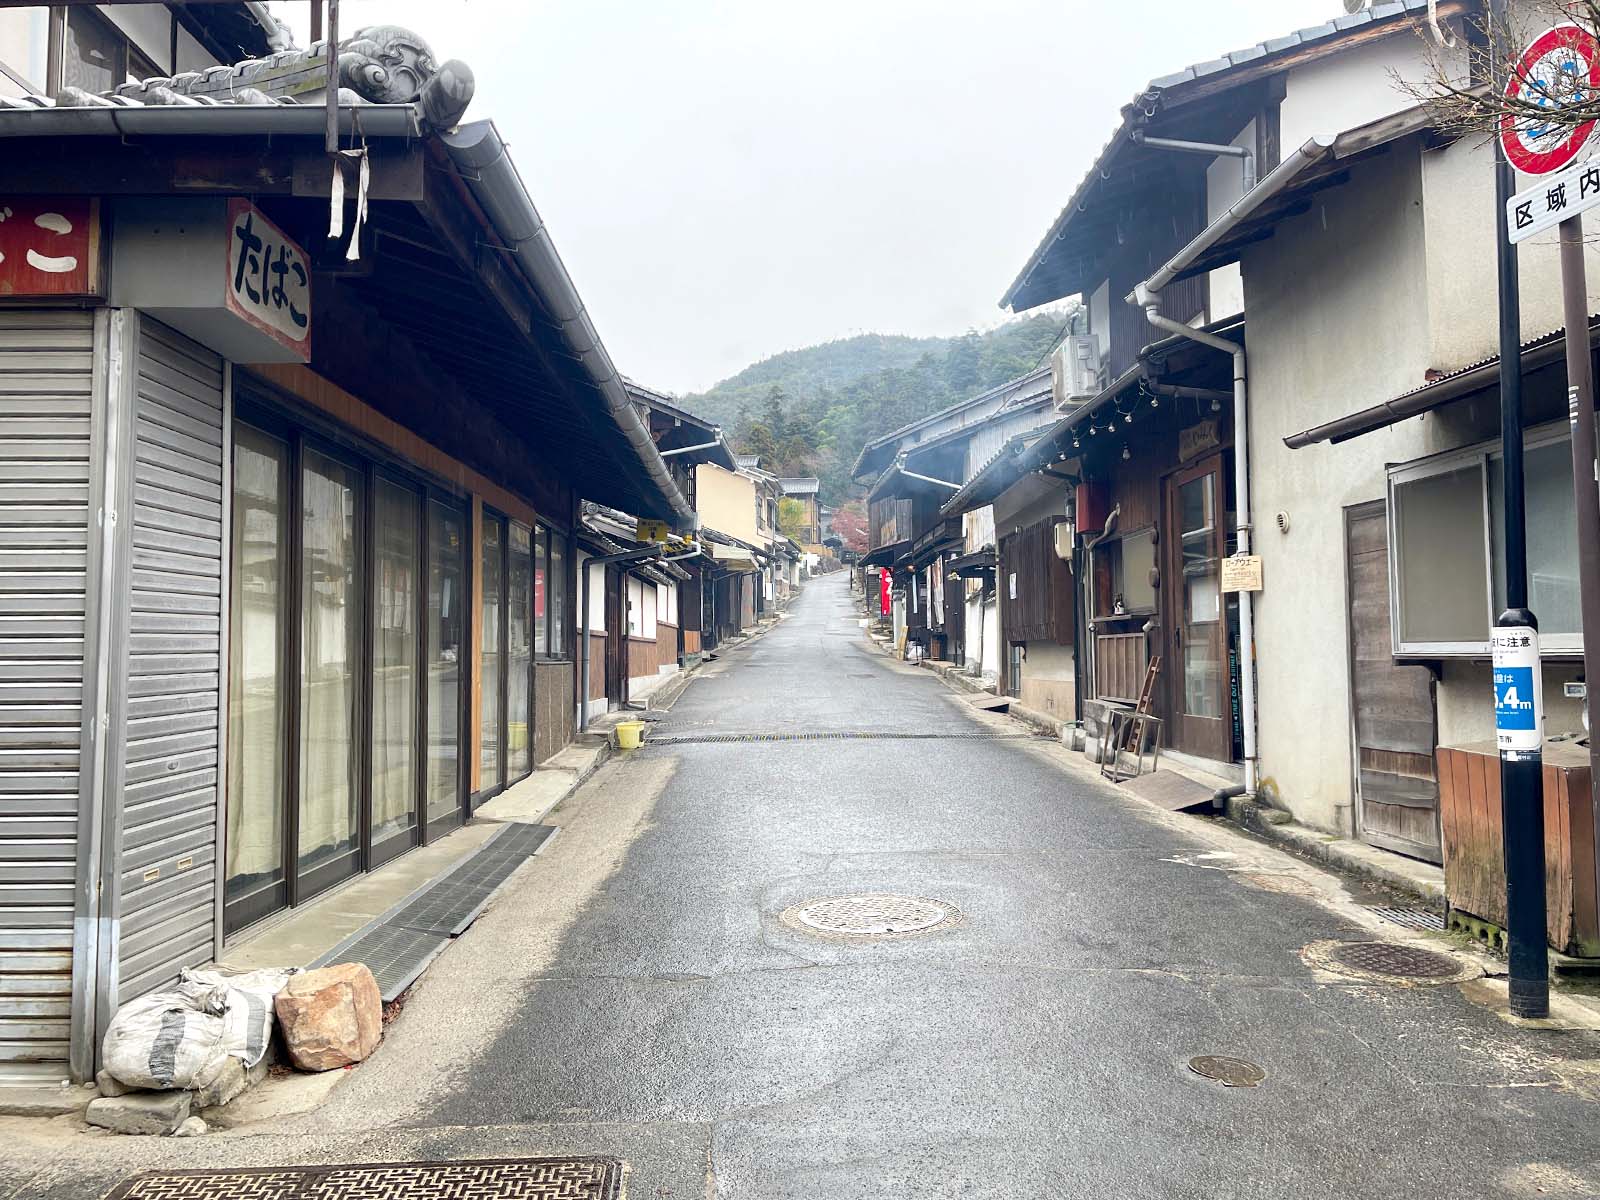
<point x="231" y="1081"/>
<point x="108" y="1084"/>
<point x="331" y="1017"/>
<point x="141" y="1112"/>
<point x="47" y="1101"/>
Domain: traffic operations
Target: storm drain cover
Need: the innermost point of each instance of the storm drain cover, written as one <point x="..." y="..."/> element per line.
<point x="872" y="916"/>
<point x="1410" y="918"/>
<point x="1229" y="1072"/>
<point x="493" y="1179"/>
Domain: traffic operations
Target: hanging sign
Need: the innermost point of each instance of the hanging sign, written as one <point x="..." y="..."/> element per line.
<point x="885" y="593"/>
<point x="1560" y="68"/>
<point x="1518" y="689"/>
<point x="651" y="531"/>
<point x="269" y="278"/>
<point x="1197" y="439"/>
<point x="49" y="246"/>
<point x="1242" y="573"/>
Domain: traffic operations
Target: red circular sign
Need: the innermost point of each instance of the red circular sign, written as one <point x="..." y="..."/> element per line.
<point x="1562" y="65"/>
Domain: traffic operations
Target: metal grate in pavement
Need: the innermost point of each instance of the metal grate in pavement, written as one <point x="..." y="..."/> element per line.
<point x="845" y="736"/>
<point x="487" y="1179"/>
<point x="1410" y="918"/>
<point x="399" y="945"/>
<point x="394" y="954"/>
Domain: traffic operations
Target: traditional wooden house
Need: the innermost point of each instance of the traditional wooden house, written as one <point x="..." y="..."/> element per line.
<point x="286" y="562"/>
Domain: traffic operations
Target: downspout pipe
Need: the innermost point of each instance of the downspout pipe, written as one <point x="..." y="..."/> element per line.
<point x="1147" y="298"/>
<point x="277" y="39"/>
<point x="1246" y="156"/>
<point x="603" y="560"/>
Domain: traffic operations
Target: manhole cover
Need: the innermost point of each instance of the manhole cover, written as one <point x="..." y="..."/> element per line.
<point x="872" y="916"/>
<point x="1389" y="962"/>
<point x="1229" y="1072"/>
<point x="493" y="1179"/>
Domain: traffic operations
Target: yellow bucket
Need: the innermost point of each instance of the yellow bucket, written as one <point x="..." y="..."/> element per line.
<point x="629" y="734"/>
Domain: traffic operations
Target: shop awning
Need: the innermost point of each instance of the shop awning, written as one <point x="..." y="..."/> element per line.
<point x="1541" y="352"/>
<point x="974" y="565"/>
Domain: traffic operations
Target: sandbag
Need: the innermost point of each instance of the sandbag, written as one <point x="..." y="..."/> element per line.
<point x="247" y="1018"/>
<point x="169" y="1039"/>
<point x="182" y="1037"/>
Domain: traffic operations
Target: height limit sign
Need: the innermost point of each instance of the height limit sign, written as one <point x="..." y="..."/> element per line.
<point x="1559" y="71"/>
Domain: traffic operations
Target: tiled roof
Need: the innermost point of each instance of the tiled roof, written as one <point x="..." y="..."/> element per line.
<point x="1144" y="102"/>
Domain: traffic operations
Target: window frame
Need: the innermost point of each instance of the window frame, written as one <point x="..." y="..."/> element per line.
<point x="1480" y="454"/>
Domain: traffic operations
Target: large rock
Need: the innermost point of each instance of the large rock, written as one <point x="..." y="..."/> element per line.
<point x="331" y="1017"/>
<point x="140" y="1112"/>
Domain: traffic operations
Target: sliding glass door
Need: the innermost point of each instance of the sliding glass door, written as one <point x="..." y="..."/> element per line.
<point x="396" y="650"/>
<point x="348" y="635"/>
<point x="331" y="614"/>
<point x="254" y="838"/>
<point x="519" y="680"/>
<point x="492" y="657"/>
<point x="446" y="655"/>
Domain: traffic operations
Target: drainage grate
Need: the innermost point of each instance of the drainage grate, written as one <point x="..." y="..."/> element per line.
<point x="1395" y="961"/>
<point x="837" y="736"/>
<point x="491" y="1179"/>
<point x="399" y="945"/>
<point x="1229" y="1072"/>
<point x="1410" y="918"/>
<point x="872" y="916"/>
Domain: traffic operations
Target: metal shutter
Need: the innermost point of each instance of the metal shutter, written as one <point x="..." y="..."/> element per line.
<point x="173" y="637"/>
<point x="46" y="408"/>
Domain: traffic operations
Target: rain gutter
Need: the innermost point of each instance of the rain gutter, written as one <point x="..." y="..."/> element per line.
<point x="488" y="172"/>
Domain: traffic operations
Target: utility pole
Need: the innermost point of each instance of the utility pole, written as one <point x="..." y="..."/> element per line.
<point x="1518" y="682"/>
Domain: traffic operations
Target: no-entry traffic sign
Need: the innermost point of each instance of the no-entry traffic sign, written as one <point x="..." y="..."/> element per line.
<point x="1560" y="68"/>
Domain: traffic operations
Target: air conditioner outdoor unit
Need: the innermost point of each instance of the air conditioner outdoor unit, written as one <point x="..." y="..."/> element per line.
<point x="1075" y="371"/>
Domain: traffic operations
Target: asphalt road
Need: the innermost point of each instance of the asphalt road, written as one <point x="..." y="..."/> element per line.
<point x="637" y="994"/>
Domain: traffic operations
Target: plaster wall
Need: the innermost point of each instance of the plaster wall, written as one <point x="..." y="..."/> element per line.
<point x="1338" y="305"/>
<point x="1459" y="228"/>
<point x="1048" y="672"/>
<point x="148" y="27"/>
<point x="1352" y="88"/>
<point x="1224" y="187"/>
<point x="727" y="502"/>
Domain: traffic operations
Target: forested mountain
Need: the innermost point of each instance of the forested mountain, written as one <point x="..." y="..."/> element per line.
<point x="809" y="411"/>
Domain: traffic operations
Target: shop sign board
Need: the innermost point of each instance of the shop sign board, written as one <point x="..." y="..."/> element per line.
<point x="49" y="247"/>
<point x="268" y="278"/>
<point x="1242" y="573"/>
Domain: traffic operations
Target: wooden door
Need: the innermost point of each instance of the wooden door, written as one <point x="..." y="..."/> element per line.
<point x="1201" y="718"/>
<point x="1394" y="723"/>
<point x="955" y="619"/>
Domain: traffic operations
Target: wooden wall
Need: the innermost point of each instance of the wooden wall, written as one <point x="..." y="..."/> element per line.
<point x="1044" y="609"/>
<point x="597" y="666"/>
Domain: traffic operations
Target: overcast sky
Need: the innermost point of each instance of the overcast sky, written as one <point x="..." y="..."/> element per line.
<point x="726" y="179"/>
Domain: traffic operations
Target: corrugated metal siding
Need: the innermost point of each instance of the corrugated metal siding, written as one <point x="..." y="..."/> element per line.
<point x="174" y="642"/>
<point x="46" y="376"/>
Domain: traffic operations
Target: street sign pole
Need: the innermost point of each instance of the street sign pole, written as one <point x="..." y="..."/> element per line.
<point x="1585" y="476"/>
<point x="1515" y="638"/>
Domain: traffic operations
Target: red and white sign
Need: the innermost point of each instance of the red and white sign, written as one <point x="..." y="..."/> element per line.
<point x="49" y="246"/>
<point x="885" y="592"/>
<point x="269" y="278"/>
<point x="1560" y="68"/>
